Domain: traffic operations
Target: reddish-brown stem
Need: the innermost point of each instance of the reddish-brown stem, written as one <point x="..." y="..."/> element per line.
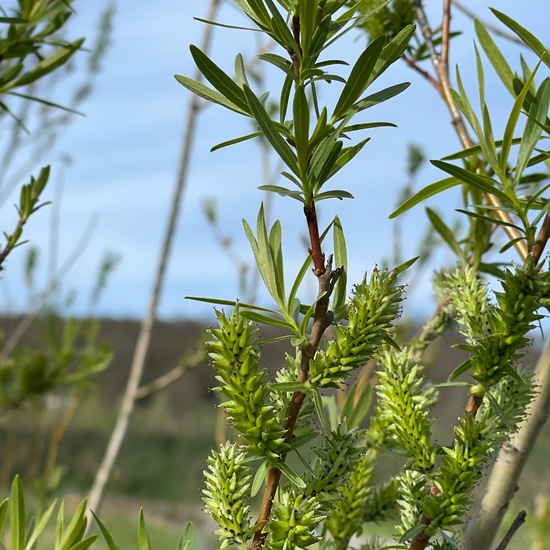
<point x="317" y="255"/>
<point x="425" y="74"/>
<point x="474" y="402"/>
<point x="322" y="319"/>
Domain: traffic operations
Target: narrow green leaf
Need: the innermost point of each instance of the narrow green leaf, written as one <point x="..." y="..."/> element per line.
<point x="283" y="191"/>
<point x="75" y="529"/>
<point x="488" y="219"/>
<point x="340" y="261"/>
<point x="476" y="150"/>
<point x="47" y="65"/>
<point x="224" y="25"/>
<point x="276" y="247"/>
<point x="143" y="537"/>
<point x="222" y="302"/>
<point x="358" y="79"/>
<point x="401" y="268"/>
<point x="17" y="515"/>
<point x="483" y="183"/>
<point x="285" y="97"/>
<point x="498" y="410"/>
<point x="41" y="522"/>
<point x="412" y="532"/>
<point x="207" y="93"/>
<point x="301" y="129"/>
<point x="59" y="526"/>
<point x="266" y="320"/>
<point x="278" y="61"/>
<point x="259" y="478"/>
<point x="320" y="410"/>
<point x="3" y="512"/>
<point x="495" y="56"/>
<point x="425" y="193"/>
<point x="85" y="543"/>
<point x="335" y="194"/>
<point x="223" y="83"/>
<point x="445" y="232"/>
<point x="46" y="102"/>
<point x="392" y="51"/>
<point x="270" y="132"/>
<point x="346" y="155"/>
<point x="111" y="544"/>
<point x="356" y="406"/>
<point x="292" y="476"/>
<point x="461" y="369"/>
<point x="511" y="126"/>
<point x="187" y="540"/>
<point x="531" y="40"/>
<point x="538" y="111"/>
<point x="308" y="10"/>
<point x="510" y="244"/>
<point x="367" y="126"/>
<point x="381" y="96"/>
<point x="235" y="140"/>
<point x="288" y="387"/>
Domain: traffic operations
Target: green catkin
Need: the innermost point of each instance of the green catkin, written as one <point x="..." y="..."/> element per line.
<point x="225" y="495"/>
<point x="373" y="308"/>
<point x="235" y="353"/>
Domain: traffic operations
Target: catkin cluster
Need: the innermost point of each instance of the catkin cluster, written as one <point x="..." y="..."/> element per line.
<point x="235" y="353"/>
<point x="372" y="309"/>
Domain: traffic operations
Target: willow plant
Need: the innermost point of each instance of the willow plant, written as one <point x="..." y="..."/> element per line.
<point x="316" y="471"/>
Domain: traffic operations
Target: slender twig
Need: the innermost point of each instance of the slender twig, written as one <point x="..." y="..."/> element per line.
<point x="144" y="338"/>
<point x="322" y="320"/>
<point x="440" y="64"/>
<point x="517" y="523"/>
<point x="425" y="74"/>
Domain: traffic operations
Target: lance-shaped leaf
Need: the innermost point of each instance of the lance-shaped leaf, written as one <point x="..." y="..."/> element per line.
<point x="235" y="140"/>
<point x="47" y="65"/>
<point x="222" y="82"/>
<point x="511" y="126"/>
<point x="538" y="112"/>
<point x="111" y="544"/>
<point x="483" y="183"/>
<point x="275" y="245"/>
<point x="495" y="56"/>
<point x="17" y="515"/>
<point x="341" y="260"/>
<point x="381" y="96"/>
<point x="187" y="540"/>
<point x="301" y="128"/>
<point x="267" y="126"/>
<point x="143" y="537"/>
<point x="425" y="193"/>
<point x="264" y="257"/>
<point x="207" y="93"/>
<point x="358" y="79"/>
<point x="530" y="39"/>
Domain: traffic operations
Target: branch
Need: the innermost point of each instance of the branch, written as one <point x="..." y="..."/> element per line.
<point x="517" y="523"/>
<point x="144" y="338"/>
<point x="542" y="238"/>
<point x="322" y="320"/>
<point x="440" y="63"/>
<point x="503" y="481"/>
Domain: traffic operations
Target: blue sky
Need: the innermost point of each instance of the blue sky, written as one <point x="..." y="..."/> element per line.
<point x="125" y="157"/>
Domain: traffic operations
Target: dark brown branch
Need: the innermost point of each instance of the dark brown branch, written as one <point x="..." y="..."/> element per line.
<point x="425" y="74"/>
<point x="517" y="523"/>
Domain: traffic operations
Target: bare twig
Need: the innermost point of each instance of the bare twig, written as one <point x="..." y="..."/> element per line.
<point x="542" y="239"/>
<point x="517" y="523"/>
<point x="144" y="338"/>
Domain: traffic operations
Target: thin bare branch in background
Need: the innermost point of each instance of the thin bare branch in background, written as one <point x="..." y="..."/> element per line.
<point x="144" y="338"/>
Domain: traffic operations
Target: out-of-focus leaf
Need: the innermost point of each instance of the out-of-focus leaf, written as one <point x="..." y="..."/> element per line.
<point x="143" y="537"/>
